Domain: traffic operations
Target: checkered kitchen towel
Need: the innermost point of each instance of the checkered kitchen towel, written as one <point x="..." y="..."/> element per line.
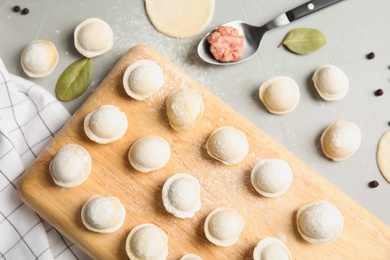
<point x="29" y="118"/>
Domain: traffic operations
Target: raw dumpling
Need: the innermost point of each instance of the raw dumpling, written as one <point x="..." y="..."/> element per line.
<point x="280" y="94"/>
<point x="341" y="140"/>
<point x="71" y="166"/>
<point x="331" y="82"/>
<point x="181" y="195"/>
<point x="149" y="153"/>
<point x="383" y="155"/>
<point x="228" y="145"/>
<point x="93" y="37"/>
<point x="271" y="177"/>
<point x="190" y="257"/>
<point x="142" y="79"/>
<point x="271" y="249"/>
<point x="184" y="108"/>
<point x="39" y="58"/>
<point x="319" y="222"/>
<point x="223" y="226"/>
<point x="147" y="241"/>
<point x="103" y="214"/>
<point x="106" y="124"/>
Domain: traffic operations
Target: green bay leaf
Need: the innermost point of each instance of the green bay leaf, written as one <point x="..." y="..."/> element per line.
<point x="304" y="40"/>
<point x="74" y="80"/>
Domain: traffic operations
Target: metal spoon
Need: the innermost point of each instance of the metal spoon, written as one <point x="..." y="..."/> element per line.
<point x="254" y="34"/>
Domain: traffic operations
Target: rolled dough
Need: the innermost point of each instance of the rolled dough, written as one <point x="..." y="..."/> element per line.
<point x="383" y="155"/>
<point x="180" y="18"/>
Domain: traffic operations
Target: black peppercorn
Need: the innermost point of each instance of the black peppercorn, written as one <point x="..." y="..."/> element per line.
<point x="370" y="56"/>
<point x="378" y="92"/>
<point x="25" y="11"/>
<point x="373" y="184"/>
<point x="16" y="8"/>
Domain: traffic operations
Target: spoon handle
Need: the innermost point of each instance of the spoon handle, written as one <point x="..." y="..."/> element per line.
<point x="308" y="8"/>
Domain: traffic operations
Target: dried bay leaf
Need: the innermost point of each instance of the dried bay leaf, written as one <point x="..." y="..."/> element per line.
<point x="304" y="40"/>
<point x="74" y="80"/>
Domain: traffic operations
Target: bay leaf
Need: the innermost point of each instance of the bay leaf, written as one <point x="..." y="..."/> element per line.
<point x="304" y="40"/>
<point x="74" y="80"/>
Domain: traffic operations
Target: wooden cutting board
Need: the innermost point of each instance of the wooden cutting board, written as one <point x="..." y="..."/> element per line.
<point x="363" y="237"/>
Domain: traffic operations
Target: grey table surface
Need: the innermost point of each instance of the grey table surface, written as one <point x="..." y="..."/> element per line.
<point x="353" y="28"/>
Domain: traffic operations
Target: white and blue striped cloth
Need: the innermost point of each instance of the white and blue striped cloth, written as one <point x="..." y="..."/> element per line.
<point x="29" y="118"/>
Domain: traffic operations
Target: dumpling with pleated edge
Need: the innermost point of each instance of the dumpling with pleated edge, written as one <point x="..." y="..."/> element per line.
<point x="71" y="166"/>
<point x="181" y="195"/>
<point x="228" y="145"/>
<point x="279" y="94"/>
<point x="147" y="241"/>
<point x="142" y="79"/>
<point x="184" y="108"/>
<point x="271" y="248"/>
<point x="105" y="124"/>
<point x="93" y="37"/>
<point x="103" y="214"/>
<point x="149" y="153"/>
<point x="331" y="82"/>
<point x="319" y="222"/>
<point x="223" y="226"/>
<point x="39" y="58"/>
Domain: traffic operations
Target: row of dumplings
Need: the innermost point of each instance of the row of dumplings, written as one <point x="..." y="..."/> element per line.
<point x="92" y="37"/>
<point x="270" y="177"/>
<point x="180" y="196"/>
<point x="319" y="222"/>
<point x="181" y="192"/>
<point x="280" y="95"/>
